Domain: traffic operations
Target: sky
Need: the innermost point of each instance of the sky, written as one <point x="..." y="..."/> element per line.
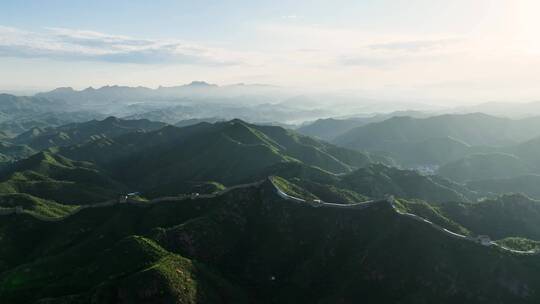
<point x="458" y="51"/>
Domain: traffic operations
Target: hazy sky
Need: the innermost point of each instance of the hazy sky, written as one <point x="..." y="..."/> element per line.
<point x="455" y="50"/>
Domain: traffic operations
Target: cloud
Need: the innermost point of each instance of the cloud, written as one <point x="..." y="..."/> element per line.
<point x="369" y="61"/>
<point x="389" y="54"/>
<point x="415" y="45"/>
<point x="68" y="44"/>
<point x="337" y="47"/>
<point x="290" y="17"/>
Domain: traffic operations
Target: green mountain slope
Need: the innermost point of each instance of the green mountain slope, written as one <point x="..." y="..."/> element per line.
<point x="330" y="128"/>
<point x="529" y="152"/>
<point x="433" y="151"/>
<point x="511" y="215"/>
<point x="21" y="113"/>
<point x="3" y="135"/>
<point x="15" y="151"/>
<point x="440" y="139"/>
<point x="134" y="270"/>
<point x="379" y="180"/>
<point x="251" y="245"/>
<point x="11" y="152"/>
<point x="229" y="153"/>
<point x="76" y="133"/>
<point x="374" y="181"/>
<point x="484" y="166"/>
<point x="194" y="121"/>
<point x="53" y="177"/>
<point x="431" y="212"/>
<point x="474" y="129"/>
<point x="34" y="205"/>
<point x="526" y="184"/>
<point x="16" y="105"/>
<point x="173" y="160"/>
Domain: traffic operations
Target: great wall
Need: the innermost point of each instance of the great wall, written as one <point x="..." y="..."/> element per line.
<point x="483" y="240"/>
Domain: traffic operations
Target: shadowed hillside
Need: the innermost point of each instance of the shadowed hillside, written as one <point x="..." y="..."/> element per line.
<point x="51" y="176"/>
<point x="509" y="215"/>
<point x="76" y="133"/>
<point x="484" y="166"/>
<point x="250" y="245"/>
<point x="474" y="129"/>
<point x="228" y="152"/>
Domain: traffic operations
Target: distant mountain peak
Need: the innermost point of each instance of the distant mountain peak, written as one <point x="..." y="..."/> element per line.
<point x="111" y="119"/>
<point x="63" y="89"/>
<point x="236" y="120"/>
<point x="198" y="83"/>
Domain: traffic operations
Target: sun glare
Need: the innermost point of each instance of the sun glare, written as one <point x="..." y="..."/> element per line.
<point x="526" y="25"/>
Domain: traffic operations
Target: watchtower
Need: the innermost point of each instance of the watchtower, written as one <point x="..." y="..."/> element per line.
<point x="484" y="240"/>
